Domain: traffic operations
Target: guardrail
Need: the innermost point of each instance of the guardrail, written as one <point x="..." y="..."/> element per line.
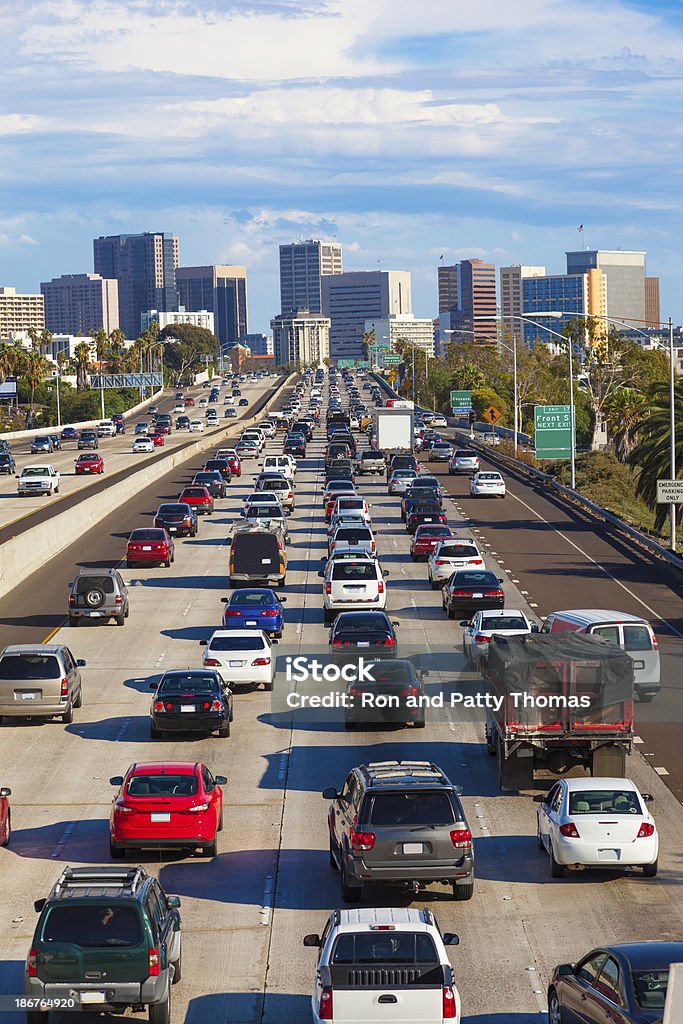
<point x="599" y="513"/>
<point x="17" y="435"/>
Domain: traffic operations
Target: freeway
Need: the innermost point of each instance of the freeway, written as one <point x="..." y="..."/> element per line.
<point x="245" y="911"/>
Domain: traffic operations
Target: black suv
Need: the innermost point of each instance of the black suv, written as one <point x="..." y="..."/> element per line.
<point x="111" y="937"/>
<point x="399" y="822"/>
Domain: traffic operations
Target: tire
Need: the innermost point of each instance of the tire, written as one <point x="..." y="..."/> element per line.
<point x="556" y="870"/>
<point x="160" y="1013"/>
<point x="333" y="859"/>
<point x="650" y="870"/>
<point x="154" y="733"/>
<point x="120" y="620"/>
<point x="79" y="700"/>
<point x="94" y="598"/>
<point x="177" y="969"/>
<point x="349" y="726"/>
<point x="450" y="612"/>
<point x="539" y="841"/>
<point x="554" y="1008"/>
<point x="116" y="852"/>
<point x="268" y="686"/>
<point x="224" y="731"/>
<point x="219" y="826"/>
<point x="349" y="893"/>
<point x="212" y="849"/>
<point x="463" y="892"/>
<point x="73" y="621"/>
<point x="8" y="831"/>
<point x="468" y="660"/>
<point x="419" y="724"/>
<point x="68" y="715"/>
<point x="167" y="563"/>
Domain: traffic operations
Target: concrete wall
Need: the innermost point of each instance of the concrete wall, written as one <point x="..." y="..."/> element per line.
<point x="17" y="435"/>
<point x="29" y="551"/>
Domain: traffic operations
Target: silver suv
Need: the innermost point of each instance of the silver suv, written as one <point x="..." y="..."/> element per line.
<point x="98" y="594"/>
<point x="40" y="681"/>
<point x="399" y="822"/>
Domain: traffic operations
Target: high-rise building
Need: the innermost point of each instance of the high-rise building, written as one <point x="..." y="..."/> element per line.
<point x="196" y="318"/>
<point x="416" y="331"/>
<point x="652" y="312"/>
<point x="19" y="313"/>
<point x="448" y="288"/>
<point x="301" y="337"/>
<point x="625" y="279"/>
<point x="80" y="303"/>
<point x="567" y="294"/>
<point x="475" y="315"/>
<point x="511" y="298"/>
<point x="302" y="265"/>
<point x="222" y="289"/>
<point x="258" y="344"/>
<point x="351" y="298"/>
<point x="144" y="266"/>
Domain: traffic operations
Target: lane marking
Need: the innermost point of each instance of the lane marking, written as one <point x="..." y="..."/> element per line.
<point x="65" y="837"/>
<point x="267" y="905"/>
<point x="120" y="734"/>
<point x="661" y="771"/>
<point x="598" y="565"/>
<point x="49" y="636"/>
<point x="537" y="992"/>
<point x="637" y="739"/>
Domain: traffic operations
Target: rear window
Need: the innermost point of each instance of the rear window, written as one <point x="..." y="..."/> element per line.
<point x="29" y="666"/>
<point x="237" y="643"/>
<point x="429" y="807"/>
<point x="465" y="454"/>
<point x="469" y="577"/>
<point x="604" y="801"/>
<point x="162" y="785"/>
<point x="195" y="492"/>
<point x="349" y="504"/>
<point x="503" y="622"/>
<point x="195" y="682"/>
<point x="458" y="551"/>
<point x="637" y="638"/>
<point x="351" y="535"/>
<point x="172" y="510"/>
<point x="255" y="600"/>
<point x="354" y="571"/>
<point x="91" y="925"/>
<point x="103" y="583"/>
<point x="141" y="535"/>
<point x="384" y="947"/>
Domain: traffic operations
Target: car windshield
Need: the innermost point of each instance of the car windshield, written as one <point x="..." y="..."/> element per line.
<point x="162" y="785"/>
<point x="601" y="801"/>
<point x="90" y="925"/>
<point x="29" y="666"/>
<point x="103" y="583"/>
<point x="428" y="807"/>
<point x="503" y="622"/>
<point x="650" y="988"/>
<point x="150" y="534"/>
<point x="237" y="643"/>
<point x="384" y="947"/>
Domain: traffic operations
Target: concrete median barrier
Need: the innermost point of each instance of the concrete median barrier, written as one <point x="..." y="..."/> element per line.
<point x="31" y="550"/>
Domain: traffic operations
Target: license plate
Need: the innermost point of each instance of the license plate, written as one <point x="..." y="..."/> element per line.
<point x="413" y="847"/>
<point x="94" y="997"/>
<point x="236" y="664"/>
<point x="160" y="817"/>
<point x="428" y="519"/>
<point x="173" y="529"/>
<point x="187" y="707"/>
<point x="363" y="643"/>
<point x="266" y="561"/>
<point x="608" y="855"/>
<point x="477" y="595"/>
<point x="638" y="664"/>
<point x="251" y="622"/>
<point x="146" y="547"/>
<point x="28" y="696"/>
<point x="94" y="615"/>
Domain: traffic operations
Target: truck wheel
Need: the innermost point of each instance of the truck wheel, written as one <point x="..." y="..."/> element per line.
<point x="160" y="1013"/>
<point x="463" y="892"/>
<point x="268" y="686"/>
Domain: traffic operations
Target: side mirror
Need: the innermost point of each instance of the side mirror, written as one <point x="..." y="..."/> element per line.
<point x="173" y="901"/>
<point x="80" y="662"/>
<point x="395" y="623"/>
<point x="312" y="940"/>
<point x="330" y="793"/>
<point x="70" y="584"/>
<point x="647" y="797"/>
<point x="116" y="780"/>
<point x="385" y="573"/>
<point x="225" y="600"/>
<point x="38" y="905"/>
<point x="423" y="673"/>
<point x="153" y="686"/>
<point x="321" y="574"/>
<point x="203" y="643"/>
<point x="5" y="791"/>
<point x="464" y="622"/>
<point x="540" y="798"/>
<point x="451" y="939"/>
<point x="283" y="600"/>
<point x="500" y="579"/>
<point x="220" y="780"/>
<point x="565" y="970"/>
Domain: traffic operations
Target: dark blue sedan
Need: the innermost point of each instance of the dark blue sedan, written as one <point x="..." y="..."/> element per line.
<point x="257" y="607"/>
<point x="625" y="983"/>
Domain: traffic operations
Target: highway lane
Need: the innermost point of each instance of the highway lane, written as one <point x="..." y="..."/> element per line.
<point x="116" y="452"/>
<point x="245" y="912"/>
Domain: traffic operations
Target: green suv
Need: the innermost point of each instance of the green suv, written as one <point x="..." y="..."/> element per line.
<point x="109" y="936"/>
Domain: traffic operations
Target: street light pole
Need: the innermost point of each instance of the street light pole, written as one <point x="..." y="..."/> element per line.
<point x="672" y="430"/>
<point x="59" y="410"/>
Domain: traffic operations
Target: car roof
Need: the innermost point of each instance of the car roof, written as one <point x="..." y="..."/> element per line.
<point x="649" y="955"/>
<point x="600" y="615"/>
<point x="32" y="649"/>
<point x="362" y="918"/>
<point x="497" y="613"/>
<point x="237" y="633"/>
<point x="581" y="785"/>
<point x="172" y="767"/>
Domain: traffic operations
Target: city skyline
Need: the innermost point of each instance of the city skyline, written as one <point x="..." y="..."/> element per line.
<point x="391" y="131"/>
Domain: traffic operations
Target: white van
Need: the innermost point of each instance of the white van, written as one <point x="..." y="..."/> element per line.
<point x="105" y="428"/>
<point x="633" y="634"/>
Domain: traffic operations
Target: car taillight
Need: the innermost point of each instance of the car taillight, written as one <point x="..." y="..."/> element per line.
<point x="461" y="838"/>
<point x="440" y="561"/>
<point x="493" y="593"/>
<point x="462" y="593"/>
<point x="332" y="546"/>
<point x="231" y="613"/>
<point x="410" y="691"/>
<point x="645" y="831"/>
<point x="449" y="1007"/>
<point x="361" y="840"/>
<point x="655" y="643"/>
<point x="32" y="967"/>
<point x="290" y="494"/>
<point x="154" y="963"/>
<point x="388" y="642"/>
<point x="261" y="661"/>
<point x="118" y="599"/>
<point x="340" y="643"/>
<point x="476" y="561"/>
<point x="197" y="808"/>
<point x="125" y="808"/>
<point x="72" y="601"/>
<point x="380" y="586"/>
<point x="64" y="690"/>
<point x="325" y="1004"/>
<point x="211" y="662"/>
<point x="187" y="521"/>
<point x="570" y="831"/>
<point x="216" y="705"/>
<point x="481" y="638"/>
<point x="269" y="613"/>
<point x="159" y="705"/>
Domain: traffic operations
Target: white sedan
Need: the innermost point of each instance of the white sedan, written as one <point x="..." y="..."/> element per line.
<point x="179" y="407"/>
<point x="484" y="625"/>
<point x="196" y="426"/>
<point x="487" y="483"/>
<point x="241" y="656"/>
<point x="143" y="444"/>
<point x="228" y="400"/>
<point x="597" y="823"/>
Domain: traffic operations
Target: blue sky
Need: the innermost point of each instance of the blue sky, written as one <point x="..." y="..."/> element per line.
<point x="403" y="130"/>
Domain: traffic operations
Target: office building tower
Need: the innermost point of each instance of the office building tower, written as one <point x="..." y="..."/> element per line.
<point x="302" y="265"/>
<point x="302" y="338"/>
<point x="196" y="318"/>
<point x="19" y="313"/>
<point x="80" y="303"/>
<point x="416" y="331"/>
<point x="511" y="298"/>
<point x="625" y="280"/>
<point x="258" y="344"/>
<point x="568" y="294"/>
<point x="448" y="288"/>
<point x="144" y="266"/>
<point x="652" y="311"/>
<point x="474" y="319"/>
<point x="351" y="298"/>
<point x="221" y="289"/>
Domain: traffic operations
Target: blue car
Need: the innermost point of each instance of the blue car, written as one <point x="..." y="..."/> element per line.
<point x="257" y="607"/>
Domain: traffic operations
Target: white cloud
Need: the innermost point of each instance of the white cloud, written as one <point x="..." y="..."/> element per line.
<point x="19" y="124"/>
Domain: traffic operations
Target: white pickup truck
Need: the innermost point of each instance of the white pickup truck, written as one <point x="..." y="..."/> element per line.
<point x="384" y="965"/>
<point x="43" y="479"/>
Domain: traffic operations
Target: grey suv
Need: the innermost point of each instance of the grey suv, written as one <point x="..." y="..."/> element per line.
<point x="399" y="822"/>
<point x="98" y="594"/>
<point x="40" y="681"/>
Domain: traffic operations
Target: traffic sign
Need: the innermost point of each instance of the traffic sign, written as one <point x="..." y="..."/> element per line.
<point x="126" y="380"/>
<point x="345" y="364"/>
<point x="362" y="364"/>
<point x="670" y="492"/>
<point x="553" y="431"/>
<point x="391" y="360"/>
<point x="461" y="401"/>
<point x="491" y="415"/>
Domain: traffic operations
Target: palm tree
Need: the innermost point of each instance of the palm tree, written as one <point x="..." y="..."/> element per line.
<point x="45" y="341"/>
<point x="82" y="359"/>
<point x="36" y="370"/>
<point x="651" y="456"/>
<point x="624" y="414"/>
<point x="117" y="351"/>
<point x="468" y="376"/>
<point x="34" y="338"/>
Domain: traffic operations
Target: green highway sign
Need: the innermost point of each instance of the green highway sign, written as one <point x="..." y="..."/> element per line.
<point x="391" y="360"/>
<point x="362" y="364"/>
<point x="461" y="401"/>
<point x="346" y="364"/>
<point x="553" y="431"/>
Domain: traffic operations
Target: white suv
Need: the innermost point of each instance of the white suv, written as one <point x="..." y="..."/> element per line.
<point x="285" y="464"/>
<point x="384" y="965"/>
<point x="352" y="584"/>
<point x="450" y="555"/>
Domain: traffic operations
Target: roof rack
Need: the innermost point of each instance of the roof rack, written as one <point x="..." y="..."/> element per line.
<point x="71" y="878"/>
<point x="388" y="771"/>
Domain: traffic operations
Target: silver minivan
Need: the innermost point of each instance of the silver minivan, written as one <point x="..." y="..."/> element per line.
<point x="633" y="634"/>
<point x="40" y="681"/>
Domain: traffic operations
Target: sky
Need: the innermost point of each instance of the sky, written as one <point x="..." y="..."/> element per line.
<point x="406" y="131"/>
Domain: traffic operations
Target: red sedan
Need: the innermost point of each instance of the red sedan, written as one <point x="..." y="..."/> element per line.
<point x="198" y="498"/>
<point x="150" y="545"/>
<point x="235" y="463"/>
<point x="5" y="816"/>
<point x="166" y="804"/>
<point x="89" y="462"/>
<point x="157" y="438"/>
<point x="189" y="401"/>
<point x="425" y="539"/>
<point x="163" y="428"/>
